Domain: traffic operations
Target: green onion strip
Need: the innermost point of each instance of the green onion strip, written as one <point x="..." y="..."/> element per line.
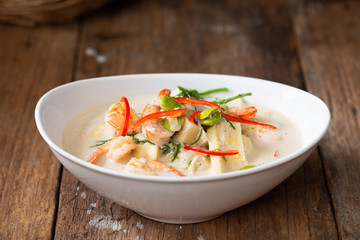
<point x="198" y="138"/>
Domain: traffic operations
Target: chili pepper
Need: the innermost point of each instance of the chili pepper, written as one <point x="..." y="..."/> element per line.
<point x="276" y="154"/>
<point x="193" y="115"/>
<point x="172" y="114"/>
<point x="212" y="152"/>
<point x="241" y="120"/>
<point x="127" y="116"/>
<point x="185" y="100"/>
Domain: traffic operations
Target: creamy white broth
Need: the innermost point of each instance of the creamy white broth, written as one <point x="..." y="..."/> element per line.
<point x="87" y="127"/>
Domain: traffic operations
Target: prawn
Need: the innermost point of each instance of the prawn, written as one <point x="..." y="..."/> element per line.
<point x="267" y="134"/>
<point x="150" y="166"/>
<point x="116" y="149"/>
<point x="152" y="128"/>
<point x="246" y="113"/>
<point x="116" y="118"/>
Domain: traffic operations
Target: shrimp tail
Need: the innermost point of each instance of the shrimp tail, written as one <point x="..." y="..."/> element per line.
<point x="96" y="154"/>
<point x="99" y="151"/>
<point x="154" y="165"/>
<point x="164" y="92"/>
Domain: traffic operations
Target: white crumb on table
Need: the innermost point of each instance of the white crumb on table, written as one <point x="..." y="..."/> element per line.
<point x="200" y="237"/>
<point x="101" y="59"/>
<point x="139" y="225"/>
<point x="105" y="222"/>
<point x="91" y="52"/>
<point x="83" y="195"/>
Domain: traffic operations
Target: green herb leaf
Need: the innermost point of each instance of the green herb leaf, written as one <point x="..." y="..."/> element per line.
<point x="214" y="90"/>
<point x="247" y="167"/>
<point x="223" y="101"/>
<point x="100" y="142"/>
<point x="188" y="93"/>
<point x="165" y="149"/>
<point x="193" y="93"/>
<point x="188" y="165"/>
<point x="218" y="149"/>
<point x="132" y="134"/>
<point x="198" y="138"/>
<point x="231" y="124"/>
<point x="137" y="141"/>
<point x="176" y="149"/>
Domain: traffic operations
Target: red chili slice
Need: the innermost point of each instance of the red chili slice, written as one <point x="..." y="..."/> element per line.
<point x="172" y="114"/>
<point x="185" y="100"/>
<point x="127" y="116"/>
<point x="241" y="120"/>
<point x="212" y="152"/>
<point x="193" y="115"/>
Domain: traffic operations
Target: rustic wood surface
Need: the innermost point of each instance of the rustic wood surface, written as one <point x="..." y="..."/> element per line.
<point x="313" y="45"/>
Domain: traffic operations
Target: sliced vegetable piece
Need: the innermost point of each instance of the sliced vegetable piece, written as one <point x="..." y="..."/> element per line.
<point x="168" y="103"/>
<point x="181" y="120"/>
<point x="172" y="124"/>
<point x="188" y="133"/>
<point x="218" y="165"/>
<point x="206" y="113"/>
<point x="248" y="145"/>
<point x="212" y="120"/>
<point x="247" y="167"/>
<point x="198" y="138"/>
<point x="148" y="150"/>
<point x="241" y="120"/>
<point x="224" y="137"/>
<point x="165" y="123"/>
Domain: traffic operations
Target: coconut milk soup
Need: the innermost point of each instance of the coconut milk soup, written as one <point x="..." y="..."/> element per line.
<point x="179" y="136"/>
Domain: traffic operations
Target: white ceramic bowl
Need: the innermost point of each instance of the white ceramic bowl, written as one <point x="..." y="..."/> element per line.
<point x="189" y="199"/>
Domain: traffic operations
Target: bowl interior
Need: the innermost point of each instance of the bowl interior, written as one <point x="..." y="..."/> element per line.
<point x="55" y="108"/>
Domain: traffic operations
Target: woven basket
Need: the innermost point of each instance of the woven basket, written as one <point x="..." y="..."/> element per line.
<point x="32" y="12"/>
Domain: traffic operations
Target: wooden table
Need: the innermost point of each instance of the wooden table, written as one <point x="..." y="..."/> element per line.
<point x="313" y="45"/>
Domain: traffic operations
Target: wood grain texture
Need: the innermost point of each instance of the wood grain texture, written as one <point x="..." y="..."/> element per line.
<point x="328" y="34"/>
<point x="29" y="177"/>
<point x="310" y="44"/>
<point x="251" y="38"/>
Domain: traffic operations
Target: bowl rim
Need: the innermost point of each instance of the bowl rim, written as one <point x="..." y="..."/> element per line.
<point x="165" y="179"/>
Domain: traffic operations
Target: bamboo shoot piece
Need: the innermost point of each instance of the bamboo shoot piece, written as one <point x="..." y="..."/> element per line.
<point x="223" y="137"/>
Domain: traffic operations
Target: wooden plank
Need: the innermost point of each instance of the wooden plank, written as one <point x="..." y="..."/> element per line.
<point x="251" y="38"/>
<point x="328" y="36"/>
<point x="29" y="179"/>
